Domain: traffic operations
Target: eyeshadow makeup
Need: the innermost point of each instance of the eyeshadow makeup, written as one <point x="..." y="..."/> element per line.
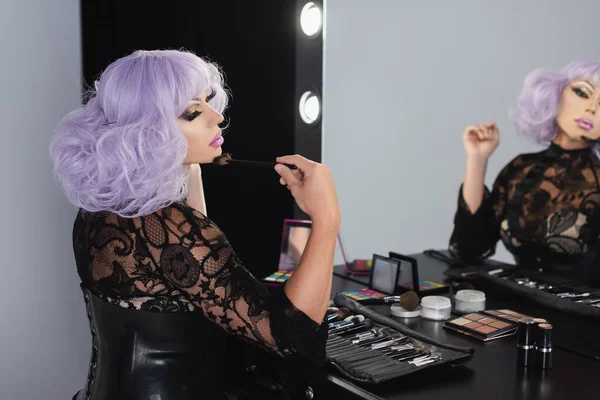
<point x="280" y="276"/>
<point x="506" y="315"/>
<point x="364" y="294"/>
<point x="481" y="326"/>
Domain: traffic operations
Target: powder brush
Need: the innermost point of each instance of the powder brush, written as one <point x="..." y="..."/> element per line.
<point x="409" y="300"/>
<point x="225" y="159"/>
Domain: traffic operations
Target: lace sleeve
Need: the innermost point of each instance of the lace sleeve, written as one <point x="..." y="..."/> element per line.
<point x="475" y="235"/>
<point x="196" y="257"/>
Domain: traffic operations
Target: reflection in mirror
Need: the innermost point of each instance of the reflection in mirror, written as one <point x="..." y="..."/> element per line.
<point x="399" y="92"/>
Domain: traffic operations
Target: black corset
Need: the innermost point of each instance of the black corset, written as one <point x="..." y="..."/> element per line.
<point x="144" y="355"/>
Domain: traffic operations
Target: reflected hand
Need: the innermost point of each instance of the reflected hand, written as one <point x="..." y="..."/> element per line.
<point x="481" y="140"/>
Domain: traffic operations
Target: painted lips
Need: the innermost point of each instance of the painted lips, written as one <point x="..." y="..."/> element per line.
<point x="585" y="123"/>
<point x="217" y="141"/>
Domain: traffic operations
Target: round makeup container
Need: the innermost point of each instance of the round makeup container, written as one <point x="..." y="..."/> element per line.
<point x="468" y="301"/>
<point x="436" y="308"/>
<point x="398" y="311"/>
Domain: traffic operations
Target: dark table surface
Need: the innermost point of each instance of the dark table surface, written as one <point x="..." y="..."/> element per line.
<point x="493" y="372"/>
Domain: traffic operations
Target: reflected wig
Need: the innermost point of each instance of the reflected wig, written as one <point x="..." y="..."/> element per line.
<point x="540" y="97"/>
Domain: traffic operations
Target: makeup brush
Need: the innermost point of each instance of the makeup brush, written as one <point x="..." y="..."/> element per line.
<point x="349" y="322"/>
<point x="337" y="314"/>
<point x="225" y="159"/>
<point x="366" y="324"/>
<point x="409" y="300"/>
<point x="590" y="140"/>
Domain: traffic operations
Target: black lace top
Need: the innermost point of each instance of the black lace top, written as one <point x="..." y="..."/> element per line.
<point x="177" y="260"/>
<point x="545" y="209"/>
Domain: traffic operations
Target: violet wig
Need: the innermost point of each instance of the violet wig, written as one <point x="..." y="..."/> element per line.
<point x="122" y="151"/>
<point x="538" y="103"/>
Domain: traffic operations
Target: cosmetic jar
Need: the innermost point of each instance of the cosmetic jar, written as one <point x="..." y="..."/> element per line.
<point x="436" y="308"/>
<point x="468" y="301"/>
<point x="398" y="311"/>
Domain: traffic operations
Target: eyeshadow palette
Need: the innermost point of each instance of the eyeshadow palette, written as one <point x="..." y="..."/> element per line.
<point x="363" y="294"/>
<point x="482" y="326"/>
<point x="506" y="315"/>
<point x="279" y="277"/>
<point x="425" y="286"/>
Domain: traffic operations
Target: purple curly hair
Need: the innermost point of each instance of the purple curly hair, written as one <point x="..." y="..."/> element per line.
<point x="122" y="151"/>
<point x="539" y="100"/>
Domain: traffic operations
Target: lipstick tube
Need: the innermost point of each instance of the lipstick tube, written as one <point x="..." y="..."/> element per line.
<point x="543" y="346"/>
<point x="525" y="342"/>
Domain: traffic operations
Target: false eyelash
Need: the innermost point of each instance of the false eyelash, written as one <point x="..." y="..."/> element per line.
<point x="190" y="115"/>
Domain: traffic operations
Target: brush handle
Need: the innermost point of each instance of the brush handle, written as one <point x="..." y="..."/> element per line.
<point x="268" y="164"/>
<point x="382" y="300"/>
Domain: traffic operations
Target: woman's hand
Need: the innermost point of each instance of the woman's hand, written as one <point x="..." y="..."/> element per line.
<point x="313" y="189"/>
<point x="480" y="141"/>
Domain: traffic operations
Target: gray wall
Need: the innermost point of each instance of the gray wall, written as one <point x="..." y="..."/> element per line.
<point x="44" y="339"/>
<point x="402" y="81"/>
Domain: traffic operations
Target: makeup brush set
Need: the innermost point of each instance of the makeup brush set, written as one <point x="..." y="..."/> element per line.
<point x="366" y="350"/>
<point x="556" y="292"/>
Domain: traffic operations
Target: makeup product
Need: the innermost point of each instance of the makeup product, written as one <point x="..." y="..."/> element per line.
<point x="525" y="342"/>
<point x="385" y="274"/>
<point x="469" y="301"/>
<point x="382" y="353"/>
<point x="408" y="277"/>
<point x="360" y="266"/>
<point x="590" y="140"/>
<point x="337" y="314"/>
<point x="543" y="346"/>
<point x="435" y="308"/>
<point x="481" y="326"/>
<point x="280" y="276"/>
<point x="363" y="294"/>
<point x="379" y="300"/>
<point x="338" y="325"/>
<point x="398" y="311"/>
<point x="506" y="315"/>
<point x="294" y="238"/>
<point x="366" y="324"/>
<point x="225" y="159"/>
<point x="409" y="300"/>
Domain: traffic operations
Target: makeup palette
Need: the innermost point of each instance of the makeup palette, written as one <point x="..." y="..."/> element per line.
<point x="482" y="326"/>
<point x="279" y="277"/>
<point x="293" y="241"/>
<point x="361" y="265"/>
<point x="506" y="315"/>
<point x="408" y="277"/>
<point x="363" y="294"/>
<point x="424" y="285"/>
